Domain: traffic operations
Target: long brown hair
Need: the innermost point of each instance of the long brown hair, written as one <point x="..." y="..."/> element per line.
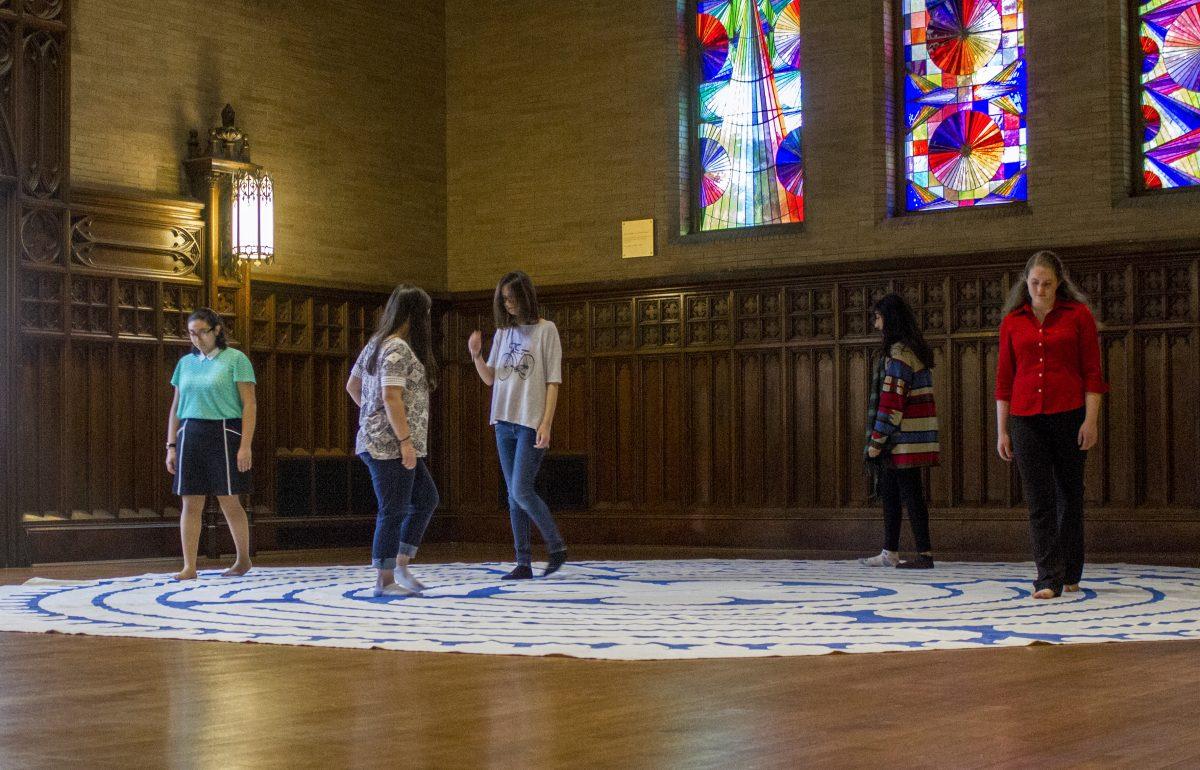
<point x="1018" y="295"/>
<point x="900" y="325"/>
<point x="525" y="296"/>
<point x="407" y="303"/>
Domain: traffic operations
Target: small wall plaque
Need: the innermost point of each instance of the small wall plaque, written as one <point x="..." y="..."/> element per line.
<point x="637" y="238"/>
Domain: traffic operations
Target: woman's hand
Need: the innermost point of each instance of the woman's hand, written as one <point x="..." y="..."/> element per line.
<point x="1088" y="435"/>
<point x="171" y="460"/>
<point x="1004" y="446"/>
<point x="475" y="344"/>
<point x="243" y="459"/>
<point x="874" y="451"/>
<point x="408" y="455"/>
<point x="543" y="437"/>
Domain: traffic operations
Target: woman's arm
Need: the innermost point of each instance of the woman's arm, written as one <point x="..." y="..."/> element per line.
<point x="893" y="399"/>
<point x="393" y="404"/>
<point x="172" y="432"/>
<point x="249" y="423"/>
<point x="543" y="431"/>
<point x="1003" y="441"/>
<point x="1089" y="432"/>
<point x="475" y="348"/>
<point x="354" y="388"/>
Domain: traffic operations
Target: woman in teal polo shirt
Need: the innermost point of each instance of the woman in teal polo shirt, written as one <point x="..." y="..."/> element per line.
<point x="209" y="432"/>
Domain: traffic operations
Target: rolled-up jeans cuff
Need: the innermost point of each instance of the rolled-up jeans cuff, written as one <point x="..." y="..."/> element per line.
<point x="407" y="550"/>
<point x="389" y="563"/>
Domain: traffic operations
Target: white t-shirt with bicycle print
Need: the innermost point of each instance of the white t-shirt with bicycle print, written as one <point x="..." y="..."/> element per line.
<point x="526" y="359"/>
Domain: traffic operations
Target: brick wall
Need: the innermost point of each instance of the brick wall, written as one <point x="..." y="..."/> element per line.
<point x="344" y="104"/>
<point x="565" y="118"/>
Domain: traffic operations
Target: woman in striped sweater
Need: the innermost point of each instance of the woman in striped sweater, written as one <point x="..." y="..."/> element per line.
<point x="902" y="431"/>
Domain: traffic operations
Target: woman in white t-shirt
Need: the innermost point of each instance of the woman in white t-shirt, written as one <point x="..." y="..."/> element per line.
<point x="524" y="370"/>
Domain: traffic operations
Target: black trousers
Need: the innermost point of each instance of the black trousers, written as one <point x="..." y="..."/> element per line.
<point x="1046" y="448"/>
<point x="902" y="487"/>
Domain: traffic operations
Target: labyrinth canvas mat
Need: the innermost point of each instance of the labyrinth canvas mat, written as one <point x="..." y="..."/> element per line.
<point x="631" y="610"/>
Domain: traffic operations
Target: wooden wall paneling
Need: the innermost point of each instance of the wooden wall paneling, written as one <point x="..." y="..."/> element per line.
<point x="138" y="413"/>
<point x="1151" y="388"/>
<point x="661" y="462"/>
<point x="1119" y="439"/>
<point x="763" y="463"/>
<point x="856" y="364"/>
<point x="965" y="453"/>
<point x="40" y="383"/>
<point x="1183" y="386"/>
<point x="806" y="428"/>
<point x="940" y="478"/>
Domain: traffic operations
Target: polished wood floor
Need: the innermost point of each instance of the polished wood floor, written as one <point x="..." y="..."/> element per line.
<point x="146" y="703"/>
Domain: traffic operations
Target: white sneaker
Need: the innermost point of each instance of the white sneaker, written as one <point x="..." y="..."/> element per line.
<point x="407" y="580"/>
<point x="393" y="589"/>
<point x="885" y="558"/>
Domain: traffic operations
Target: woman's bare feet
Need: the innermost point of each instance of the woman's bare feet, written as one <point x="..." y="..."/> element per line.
<point x="1071" y="588"/>
<point x="237" y="570"/>
<point x="187" y="574"/>
<point x="1045" y="593"/>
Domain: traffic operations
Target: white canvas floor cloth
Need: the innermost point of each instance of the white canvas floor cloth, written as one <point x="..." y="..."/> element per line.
<point x="630" y="610"/>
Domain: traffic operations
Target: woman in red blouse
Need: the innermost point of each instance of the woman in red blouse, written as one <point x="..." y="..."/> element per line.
<point x="1048" y="390"/>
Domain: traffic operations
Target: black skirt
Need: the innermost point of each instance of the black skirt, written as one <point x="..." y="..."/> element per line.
<point x="206" y="454"/>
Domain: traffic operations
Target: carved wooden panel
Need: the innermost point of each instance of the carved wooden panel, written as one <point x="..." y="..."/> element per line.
<point x="658" y="322"/>
<point x="8" y="152"/>
<point x="43" y="86"/>
<point x="857" y="301"/>
<point x="329" y="325"/>
<point x="91" y="305"/>
<point x="1164" y="293"/>
<point x="38" y="415"/>
<point x="45" y="9"/>
<point x="809" y="313"/>
<point x="178" y="302"/>
<point x="41" y="299"/>
<point x="571" y="320"/>
<point x="41" y="236"/>
<point x="612" y="326"/>
<point x="927" y="298"/>
<point x="977" y="301"/>
<point x="135" y="247"/>
<point x="292" y="324"/>
<point x="709" y="319"/>
<point x="137" y="309"/>
<point x="1108" y="294"/>
<point x="759" y="315"/>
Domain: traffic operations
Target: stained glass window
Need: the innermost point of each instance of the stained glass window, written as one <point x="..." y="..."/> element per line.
<point x="964" y="103"/>
<point x="747" y="140"/>
<point x="1170" y="103"/>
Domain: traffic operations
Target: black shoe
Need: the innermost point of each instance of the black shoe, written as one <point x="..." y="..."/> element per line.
<point x="557" y="559"/>
<point x="520" y="572"/>
<point x="923" y="561"/>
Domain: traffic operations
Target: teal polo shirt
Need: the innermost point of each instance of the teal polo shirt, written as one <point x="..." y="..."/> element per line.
<point x="208" y="384"/>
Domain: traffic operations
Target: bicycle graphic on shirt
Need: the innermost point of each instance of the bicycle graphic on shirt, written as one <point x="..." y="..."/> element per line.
<point x="517" y="359"/>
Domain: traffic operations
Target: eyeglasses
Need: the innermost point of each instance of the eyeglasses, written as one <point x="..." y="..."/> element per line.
<point x="198" y="332"/>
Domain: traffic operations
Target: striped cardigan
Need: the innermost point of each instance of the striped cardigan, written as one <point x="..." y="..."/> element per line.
<point x="906" y="425"/>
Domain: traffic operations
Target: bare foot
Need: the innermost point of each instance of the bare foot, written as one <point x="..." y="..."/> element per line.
<point x="1045" y="593"/>
<point x="1071" y="588"/>
<point x="237" y="570"/>
<point x="187" y="574"/>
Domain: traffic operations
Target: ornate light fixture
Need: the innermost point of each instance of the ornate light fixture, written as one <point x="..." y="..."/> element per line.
<point x="252" y="212"/>
<point x="239" y="194"/>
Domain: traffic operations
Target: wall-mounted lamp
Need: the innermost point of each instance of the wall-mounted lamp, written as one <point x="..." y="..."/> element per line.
<point x="253" y="218"/>
<point x="239" y="194"/>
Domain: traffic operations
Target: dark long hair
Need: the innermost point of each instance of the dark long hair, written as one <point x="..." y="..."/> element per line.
<point x="407" y="303"/>
<point x="213" y="319"/>
<point x="1018" y="295"/>
<point x="900" y="325"/>
<point x="525" y="296"/>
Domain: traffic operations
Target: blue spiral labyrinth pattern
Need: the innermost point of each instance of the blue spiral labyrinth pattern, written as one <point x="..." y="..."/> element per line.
<point x="633" y="610"/>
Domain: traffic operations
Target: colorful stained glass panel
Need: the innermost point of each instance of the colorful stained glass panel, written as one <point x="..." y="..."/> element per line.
<point x="1170" y="105"/>
<point x="964" y="103"/>
<point x="747" y="140"/>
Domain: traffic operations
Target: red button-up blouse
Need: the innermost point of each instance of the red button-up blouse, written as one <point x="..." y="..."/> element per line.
<point x="1047" y="368"/>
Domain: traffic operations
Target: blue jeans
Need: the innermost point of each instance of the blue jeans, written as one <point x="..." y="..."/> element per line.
<point x="407" y="500"/>
<point x="520" y="460"/>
